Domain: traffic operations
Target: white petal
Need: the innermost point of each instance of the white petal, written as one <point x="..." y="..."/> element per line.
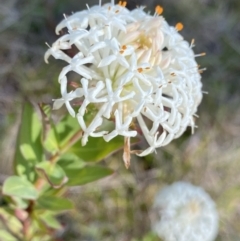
<point x="63" y="73"/>
<point x="110" y="136"/>
<point x="70" y="109"/>
<point x="146" y="152"/>
<point x="57" y="104"/>
<point x="97" y="46"/>
<point x="107" y="61"/>
<point x="123" y="61"/>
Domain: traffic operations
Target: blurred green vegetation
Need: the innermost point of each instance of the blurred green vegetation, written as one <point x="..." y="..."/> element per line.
<point x="117" y="208"/>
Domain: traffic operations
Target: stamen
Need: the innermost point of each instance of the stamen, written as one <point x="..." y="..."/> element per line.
<point x="200" y="71"/>
<point x="124" y="47"/>
<point x="48" y="45"/>
<point x="158" y="10"/>
<point x="140" y="70"/>
<point x="179" y="26"/>
<point x="64" y="15"/>
<point x="122" y="4"/>
<point x="192" y="43"/>
<point x="199" y="55"/>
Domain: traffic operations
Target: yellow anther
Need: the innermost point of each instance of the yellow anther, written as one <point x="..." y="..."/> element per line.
<point x="158" y="9"/>
<point x="199" y="55"/>
<point x="200" y="71"/>
<point x="140" y="70"/>
<point x="117" y="11"/>
<point x="179" y="26"/>
<point x="124" y="47"/>
<point x="192" y="42"/>
<point x="122" y="3"/>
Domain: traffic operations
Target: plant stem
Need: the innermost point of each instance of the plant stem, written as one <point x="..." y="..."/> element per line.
<point x="66" y="147"/>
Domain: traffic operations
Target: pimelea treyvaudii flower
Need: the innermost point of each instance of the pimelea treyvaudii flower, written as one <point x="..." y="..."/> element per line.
<point x="134" y="68"/>
<point x="183" y="212"/>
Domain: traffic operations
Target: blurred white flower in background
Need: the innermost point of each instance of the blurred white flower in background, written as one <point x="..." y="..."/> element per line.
<point x="134" y="68"/>
<point x="183" y="212"/>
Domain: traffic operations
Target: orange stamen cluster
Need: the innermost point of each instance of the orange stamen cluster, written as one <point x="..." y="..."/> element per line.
<point x="158" y="10"/>
<point x="122" y="3"/>
<point x="179" y="26"/>
<point x="124" y="47"/>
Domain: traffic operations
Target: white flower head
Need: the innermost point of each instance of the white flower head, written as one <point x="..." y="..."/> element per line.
<point x="183" y="212"/>
<point x="134" y="68"/>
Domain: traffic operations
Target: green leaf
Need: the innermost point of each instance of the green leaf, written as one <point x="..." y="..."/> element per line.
<point x="71" y="161"/>
<point x="86" y="174"/>
<point x="20" y="203"/>
<point x="19" y="187"/>
<point x="78" y="172"/>
<point x="66" y="129"/>
<point x="28" y="152"/>
<point x="51" y="141"/>
<point x="8" y="217"/>
<point x="54" y="203"/>
<point x="6" y="236"/>
<point x="49" y="220"/>
<point x="53" y="173"/>
<point x="97" y="148"/>
<point x="28" y="146"/>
